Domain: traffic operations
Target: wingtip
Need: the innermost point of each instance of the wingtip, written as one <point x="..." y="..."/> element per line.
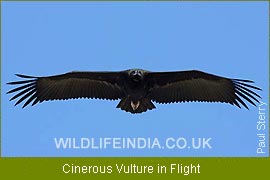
<point x="20" y="75"/>
<point x="18" y="102"/>
<point x="11" y="99"/>
<point x="244" y="80"/>
<point x="24" y="76"/>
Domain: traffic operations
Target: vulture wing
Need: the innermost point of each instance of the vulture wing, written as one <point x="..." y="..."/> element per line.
<point x="73" y="85"/>
<point x="185" y="86"/>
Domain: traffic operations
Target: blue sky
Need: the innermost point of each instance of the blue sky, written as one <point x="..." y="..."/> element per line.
<point x="43" y="38"/>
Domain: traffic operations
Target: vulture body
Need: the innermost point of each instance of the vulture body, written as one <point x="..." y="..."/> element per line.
<point x="136" y="88"/>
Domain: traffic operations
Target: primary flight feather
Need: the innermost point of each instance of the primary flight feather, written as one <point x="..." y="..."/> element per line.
<point x="136" y="88"/>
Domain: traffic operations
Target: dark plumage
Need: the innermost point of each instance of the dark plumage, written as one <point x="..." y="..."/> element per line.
<point x="136" y="88"/>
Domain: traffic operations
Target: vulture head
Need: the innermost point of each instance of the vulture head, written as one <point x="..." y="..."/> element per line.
<point x="136" y="75"/>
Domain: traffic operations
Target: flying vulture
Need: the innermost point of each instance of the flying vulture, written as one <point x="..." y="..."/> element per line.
<point x="137" y="89"/>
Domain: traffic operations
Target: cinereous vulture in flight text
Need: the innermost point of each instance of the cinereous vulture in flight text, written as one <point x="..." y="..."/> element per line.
<point x="136" y="88"/>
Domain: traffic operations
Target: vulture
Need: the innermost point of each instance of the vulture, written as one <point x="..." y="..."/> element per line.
<point x="136" y="89"/>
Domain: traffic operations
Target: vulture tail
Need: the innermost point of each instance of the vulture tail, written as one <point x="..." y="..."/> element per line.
<point x="128" y="105"/>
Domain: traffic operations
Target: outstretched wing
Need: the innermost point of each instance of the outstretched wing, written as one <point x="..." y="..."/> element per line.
<point x="73" y="85"/>
<point x="186" y="86"/>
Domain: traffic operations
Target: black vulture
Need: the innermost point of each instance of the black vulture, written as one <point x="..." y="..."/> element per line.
<point x="136" y="88"/>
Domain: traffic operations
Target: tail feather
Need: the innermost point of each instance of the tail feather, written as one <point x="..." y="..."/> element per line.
<point x="145" y="104"/>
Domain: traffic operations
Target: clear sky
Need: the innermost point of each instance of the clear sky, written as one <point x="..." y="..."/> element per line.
<point x="42" y="38"/>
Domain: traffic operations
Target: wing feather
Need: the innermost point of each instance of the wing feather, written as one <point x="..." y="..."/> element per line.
<point x="187" y="86"/>
<point x="73" y="85"/>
